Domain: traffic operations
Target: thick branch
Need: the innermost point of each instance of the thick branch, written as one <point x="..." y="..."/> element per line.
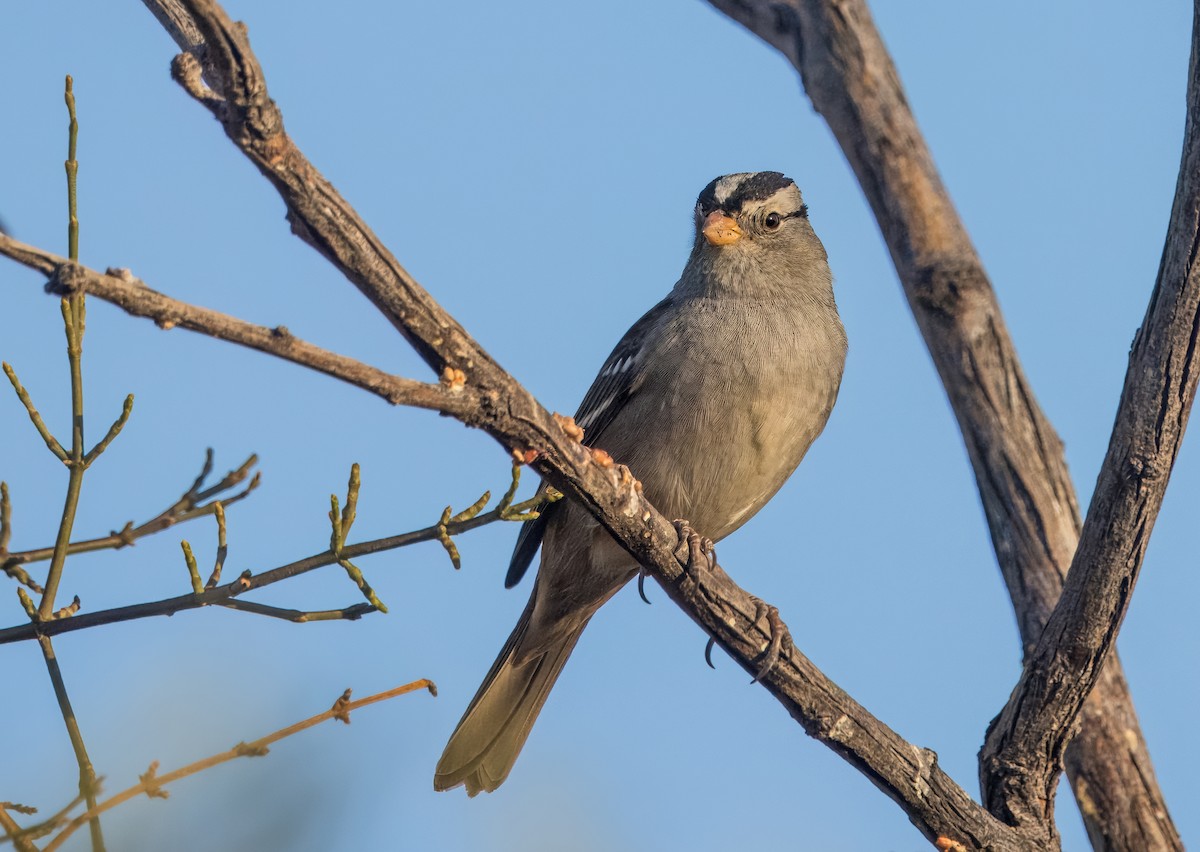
<point x="507" y="412"/>
<point x="1160" y="386"/>
<point x="1017" y="458"/>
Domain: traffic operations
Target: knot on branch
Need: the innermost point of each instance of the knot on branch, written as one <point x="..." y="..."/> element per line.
<point x="340" y="708"/>
<point x="67" y="279"/>
<point x="951" y="289"/>
<point x="125" y="275"/>
<point x="250" y="750"/>
<point x="124" y="536"/>
<point x="149" y="780"/>
<point x="187" y="71"/>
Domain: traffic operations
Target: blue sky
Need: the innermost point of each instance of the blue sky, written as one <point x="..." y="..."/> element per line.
<point x="535" y="166"/>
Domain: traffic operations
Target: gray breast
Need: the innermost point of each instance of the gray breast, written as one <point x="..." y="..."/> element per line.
<point x="729" y="407"/>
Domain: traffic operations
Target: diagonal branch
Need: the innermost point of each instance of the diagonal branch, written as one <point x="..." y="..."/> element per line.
<point x="1160" y="387"/>
<point x="1017" y="458"/>
<point x="151" y="783"/>
<point x="318" y="214"/>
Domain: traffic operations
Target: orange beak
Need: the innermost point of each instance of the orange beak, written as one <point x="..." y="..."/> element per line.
<point x="720" y="230"/>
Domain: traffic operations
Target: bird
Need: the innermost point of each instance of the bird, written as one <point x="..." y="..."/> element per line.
<point x="711" y="399"/>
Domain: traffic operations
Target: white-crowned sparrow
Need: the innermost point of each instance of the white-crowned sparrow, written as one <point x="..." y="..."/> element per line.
<point x="712" y="399"/>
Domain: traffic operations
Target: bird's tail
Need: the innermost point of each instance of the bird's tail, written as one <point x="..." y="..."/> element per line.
<point x="485" y="745"/>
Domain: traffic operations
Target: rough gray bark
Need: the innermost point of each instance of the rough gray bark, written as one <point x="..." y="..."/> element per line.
<point x="1018" y="460"/>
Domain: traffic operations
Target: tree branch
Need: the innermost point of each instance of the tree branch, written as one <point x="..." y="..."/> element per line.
<point x="1017" y="458"/>
<point x="151" y="783"/>
<point x="189" y="506"/>
<point x="227" y="595"/>
<point x="119" y="287"/>
<point x="319" y="215"/>
<point x="1160" y="387"/>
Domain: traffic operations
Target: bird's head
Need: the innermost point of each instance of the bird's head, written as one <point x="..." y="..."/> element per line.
<point x="752" y="232"/>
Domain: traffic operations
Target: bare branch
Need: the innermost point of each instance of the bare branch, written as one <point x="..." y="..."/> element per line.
<point x="119" y="287"/>
<point x="238" y="98"/>
<point x="1017" y="458"/>
<point x="12" y="830"/>
<point x="1160" y="386"/>
<point x="152" y="784"/>
<point x="189" y="506"/>
<point x="88" y="787"/>
<point x="226" y="595"/>
<point x="349" y="613"/>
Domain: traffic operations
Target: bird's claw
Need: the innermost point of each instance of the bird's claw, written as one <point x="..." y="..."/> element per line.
<point x="700" y="550"/>
<point x="642" y="585"/>
<point x="779" y="637"/>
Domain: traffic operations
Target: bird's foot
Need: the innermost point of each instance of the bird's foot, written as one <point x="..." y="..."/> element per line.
<point x="779" y="637"/>
<point x="701" y="552"/>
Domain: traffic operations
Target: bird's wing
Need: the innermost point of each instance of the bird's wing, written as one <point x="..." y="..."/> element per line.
<point x="620" y="377"/>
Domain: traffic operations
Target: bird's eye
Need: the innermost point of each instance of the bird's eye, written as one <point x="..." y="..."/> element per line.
<point x="773" y="221"/>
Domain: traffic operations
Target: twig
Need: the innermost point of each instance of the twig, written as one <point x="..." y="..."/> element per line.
<point x="87" y="773"/>
<point x="222" y="546"/>
<point x="349" y="613"/>
<point x="113" y="432"/>
<point x="35" y="417"/>
<point x="119" y="287"/>
<point x="341" y="523"/>
<point x="219" y="595"/>
<point x="46" y="826"/>
<point x="74" y="314"/>
<point x="152" y="784"/>
<point x="188" y="507"/>
<point x="20" y="838"/>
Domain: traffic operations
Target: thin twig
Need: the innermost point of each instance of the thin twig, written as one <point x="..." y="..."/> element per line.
<point x="219" y="595"/>
<point x="151" y="782"/>
<point x="188" y="507"/>
<point x="74" y="314"/>
<point x="113" y="432"/>
<point x="46" y="826"/>
<point x="34" y="415"/>
<point x="349" y="613"/>
<point x="119" y="287"/>
<point x="87" y="773"/>
<point x="20" y="837"/>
